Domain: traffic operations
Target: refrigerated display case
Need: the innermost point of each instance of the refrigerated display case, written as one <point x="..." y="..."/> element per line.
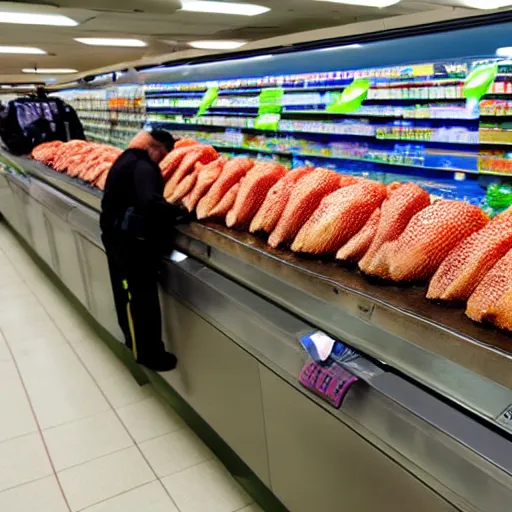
<point x="427" y="425"/>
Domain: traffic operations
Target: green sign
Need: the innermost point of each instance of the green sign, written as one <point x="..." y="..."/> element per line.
<point x="479" y="81"/>
<point x="351" y="98"/>
<point x="208" y="98"/>
<point x="267" y="122"/>
<point x="271" y="101"/>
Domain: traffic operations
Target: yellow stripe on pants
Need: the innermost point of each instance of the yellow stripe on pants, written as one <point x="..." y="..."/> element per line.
<point x="130" y="319"/>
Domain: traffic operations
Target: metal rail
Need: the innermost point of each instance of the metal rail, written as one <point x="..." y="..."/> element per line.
<point x="433" y="344"/>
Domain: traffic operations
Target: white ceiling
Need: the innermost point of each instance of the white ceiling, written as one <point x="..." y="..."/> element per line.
<point x="158" y="22"/>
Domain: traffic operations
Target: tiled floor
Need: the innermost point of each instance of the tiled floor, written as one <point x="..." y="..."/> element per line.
<point x="76" y="431"/>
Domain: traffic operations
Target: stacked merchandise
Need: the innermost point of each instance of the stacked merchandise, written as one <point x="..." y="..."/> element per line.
<point x="413" y="118"/>
<point x="394" y="232"/>
<point x="110" y="116"/>
<point x="86" y="161"/>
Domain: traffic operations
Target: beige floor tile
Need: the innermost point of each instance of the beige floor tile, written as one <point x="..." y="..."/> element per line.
<point x="5" y="355"/>
<point x="42" y="496"/>
<point x="98" y="358"/>
<point x="251" y="508"/>
<point x="22" y="460"/>
<point x="149" y="418"/>
<point x="87" y="439"/>
<point x="174" y="452"/>
<point x="16" y="416"/>
<point x="32" y="326"/>
<point x="32" y="311"/>
<point x="41" y="336"/>
<point x="122" y="389"/>
<point x="206" y="487"/>
<point x="148" y="498"/>
<point x="19" y="309"/>
<point x="103" y="478"/>
<point x="59" y="387"/>
<point x="13" y="296"/>
<point x="8" y="274"/>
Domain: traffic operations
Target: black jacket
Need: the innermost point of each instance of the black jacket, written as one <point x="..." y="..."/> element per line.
<point x="135" y="186"/>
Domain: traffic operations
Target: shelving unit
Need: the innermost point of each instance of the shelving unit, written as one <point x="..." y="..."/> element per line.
<point x="412" y="117"/>
<point x="110" y="116"/>
<point x="414" y="122"/>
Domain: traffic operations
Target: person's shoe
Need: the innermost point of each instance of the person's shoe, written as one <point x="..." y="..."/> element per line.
<point x="161" y="363"/>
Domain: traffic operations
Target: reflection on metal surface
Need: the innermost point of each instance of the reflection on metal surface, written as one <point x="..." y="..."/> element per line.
<point x="464" y="461"/>
<point x="230" y="339"/>
<point x="505" y="418"/>
<point x="177" y="256"/>
<point x="435" y="345"/>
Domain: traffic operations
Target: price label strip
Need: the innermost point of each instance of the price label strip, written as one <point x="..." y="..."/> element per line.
<point x="269" y="109"/>
<point x="329" y="380"/>
<point x="324" y="350"/>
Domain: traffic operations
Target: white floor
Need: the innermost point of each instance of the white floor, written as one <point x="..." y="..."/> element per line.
<point x="76" y="431"/>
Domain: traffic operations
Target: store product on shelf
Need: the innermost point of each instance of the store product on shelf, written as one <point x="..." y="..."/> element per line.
<point x="463" y="269"/>
<point x="394" y="230"/>
<point x="396" y="212"/>
<point x="496" y="161"/>
<point x="110" y="116"/>
<point x="304" y="200"/>
<point x="339" y="217"/>
<point x="275" y="201"/>
<point x="253" y="189"/>
<point x="359" y="244"/>
<point x="496" y="283"/>
<point x="429" y="237"/>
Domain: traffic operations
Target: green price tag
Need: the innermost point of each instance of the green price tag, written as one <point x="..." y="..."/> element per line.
<point x="268" y="122"/>
<point x="351" y="98"/>
<point x="208" y="98"/>
<point x="271" y="101"/>
<point x="479" y="81"/>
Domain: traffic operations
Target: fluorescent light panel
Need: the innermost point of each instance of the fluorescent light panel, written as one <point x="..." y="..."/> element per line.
<point x="487" y="4"/>
<point x="346" y="47"/>
<point x="49" y="71"/>
<point x="26" y="86"/>
<point x="217" y="45"/>
<point x="22" y="50"/>
<point x="106" y="41"/>
<point x="25" y="18"/>
<point x="364" y="3"/>
<point x="505" y="51"/>
<point x="223" y="7"/>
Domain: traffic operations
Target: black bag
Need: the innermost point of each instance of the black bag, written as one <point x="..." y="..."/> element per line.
<point x="29" y="122"/>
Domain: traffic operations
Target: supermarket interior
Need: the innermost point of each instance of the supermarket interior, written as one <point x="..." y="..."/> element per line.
<point x="337" y="282"/>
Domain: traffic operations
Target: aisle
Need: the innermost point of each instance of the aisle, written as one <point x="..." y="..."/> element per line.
<point x="76" y="431"/>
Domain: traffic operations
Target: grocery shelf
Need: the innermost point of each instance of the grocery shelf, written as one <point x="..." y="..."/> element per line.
<point x="291" y="154"/>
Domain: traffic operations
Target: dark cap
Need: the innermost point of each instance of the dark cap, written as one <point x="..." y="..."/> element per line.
<point x="164" y="138"/>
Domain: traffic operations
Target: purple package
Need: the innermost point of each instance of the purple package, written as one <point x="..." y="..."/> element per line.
<point x="329" y="381"/>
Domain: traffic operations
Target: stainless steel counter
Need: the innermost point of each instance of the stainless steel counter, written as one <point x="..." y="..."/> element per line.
<point x="422" y="432"/>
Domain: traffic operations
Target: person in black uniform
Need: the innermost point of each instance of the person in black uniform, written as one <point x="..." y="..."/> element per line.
<point x="136" y="223"/>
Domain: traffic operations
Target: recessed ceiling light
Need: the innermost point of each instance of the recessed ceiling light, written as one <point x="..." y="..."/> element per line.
<point x="365" y="3"/>
<point x="487" y="4"/>
<point x="345" y="47"/>
<point x="217" y="45"/>
<point x="106" y="41"/>
<point x="49" y="71"/>
<point x="26" y="18"/>
<point x="25" y="50"/>
<point x="223" y="7"/>
<point x="505" y="51"/>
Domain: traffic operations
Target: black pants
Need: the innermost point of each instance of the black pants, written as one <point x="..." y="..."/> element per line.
<point x="133" y="267"/>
